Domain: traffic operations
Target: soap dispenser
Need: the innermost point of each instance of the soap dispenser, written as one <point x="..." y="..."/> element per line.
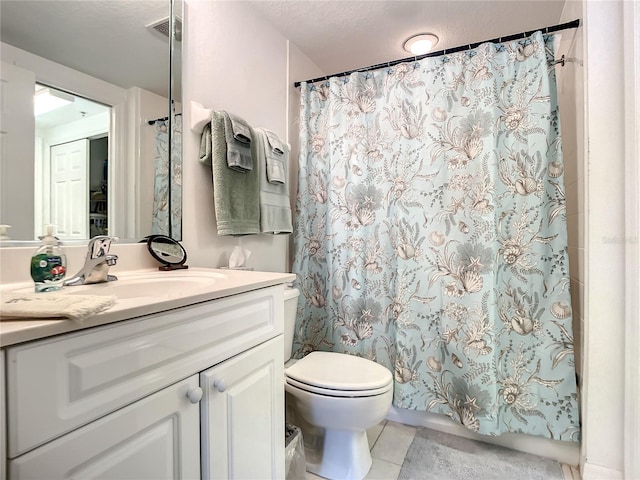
<point x="48" y="264"/>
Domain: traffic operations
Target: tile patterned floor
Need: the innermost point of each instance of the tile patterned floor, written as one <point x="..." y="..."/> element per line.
<point x="570" y="472"/>
<point x="389" y="443"/>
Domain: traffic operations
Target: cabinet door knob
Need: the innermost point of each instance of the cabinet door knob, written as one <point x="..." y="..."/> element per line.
<point x="220" y="385"/>
<point x="194" y="395"/>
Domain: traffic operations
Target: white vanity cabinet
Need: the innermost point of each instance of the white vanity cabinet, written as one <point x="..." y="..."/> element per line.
<point x="193" y="392"/>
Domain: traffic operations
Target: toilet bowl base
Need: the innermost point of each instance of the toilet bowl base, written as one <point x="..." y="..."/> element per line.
<point x="345" y="456"/>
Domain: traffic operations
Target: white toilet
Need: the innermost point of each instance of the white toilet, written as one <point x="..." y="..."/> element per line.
<point x="334" y="398"/>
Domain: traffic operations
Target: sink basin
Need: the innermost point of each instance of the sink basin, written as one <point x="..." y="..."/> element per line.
<point x="158" y="285"/>
<point x="165" y="286"/>
<point x="175" y="284"/>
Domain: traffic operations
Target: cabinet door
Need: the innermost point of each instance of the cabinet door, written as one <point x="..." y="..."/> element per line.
<point x="243" y="415"/>
<point x="154" y="438"/>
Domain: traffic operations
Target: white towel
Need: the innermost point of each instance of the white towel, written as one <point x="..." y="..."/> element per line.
<point x="53" y="305"/>
<point x="275" y="209"/>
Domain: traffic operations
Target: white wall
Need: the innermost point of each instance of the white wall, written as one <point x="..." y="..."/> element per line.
<point x="235" y="61"/>
<point x="632" y="236"/>
<point x="604" y="342"/>
<point x="16" y="149"/>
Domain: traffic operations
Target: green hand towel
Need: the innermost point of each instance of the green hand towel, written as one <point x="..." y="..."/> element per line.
<point x="236" y="195"/>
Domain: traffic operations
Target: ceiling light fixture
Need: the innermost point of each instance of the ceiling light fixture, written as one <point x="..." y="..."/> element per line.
<point x="47" y="99"/>
<point x="420" y="44"/>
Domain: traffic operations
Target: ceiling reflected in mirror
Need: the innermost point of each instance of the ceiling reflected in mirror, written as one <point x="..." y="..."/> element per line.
<point x="110" y="40"/>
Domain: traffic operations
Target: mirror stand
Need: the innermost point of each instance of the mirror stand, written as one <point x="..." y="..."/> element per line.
<point x="167" y="251"/>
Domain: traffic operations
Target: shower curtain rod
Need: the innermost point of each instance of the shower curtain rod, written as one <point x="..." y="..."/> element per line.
<point x="161" y="119"/>
<point x="515" y="36"/>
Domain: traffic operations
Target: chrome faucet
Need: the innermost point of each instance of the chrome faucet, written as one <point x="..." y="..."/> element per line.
<point x="97" y="262"/>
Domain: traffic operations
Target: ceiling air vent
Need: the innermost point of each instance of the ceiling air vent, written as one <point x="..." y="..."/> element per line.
<point x="161" y="28"/>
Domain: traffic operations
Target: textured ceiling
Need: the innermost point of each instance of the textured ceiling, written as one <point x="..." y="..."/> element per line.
<point x="108" y="38"/>
<point x="340" y="35"/>
<point x="105" y="39"/>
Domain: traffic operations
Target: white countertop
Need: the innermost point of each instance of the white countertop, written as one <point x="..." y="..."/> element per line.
<point x="230" y="282"/>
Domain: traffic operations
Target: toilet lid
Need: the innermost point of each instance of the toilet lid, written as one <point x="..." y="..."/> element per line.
<point x="339" y="371"/>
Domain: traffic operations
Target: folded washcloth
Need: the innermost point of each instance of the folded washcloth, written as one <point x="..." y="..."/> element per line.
<point x="240" y="128"/>
<point x="235" y="194"/>
<point x="238" y="136"/>
<point x="275" y="208"/>
<point x="53" y="305"/>
<point x="275" y="144"/>
<point x="274" y="150"/>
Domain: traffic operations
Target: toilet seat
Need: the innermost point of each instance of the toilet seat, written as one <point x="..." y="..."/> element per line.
<point x="328" y="392"/>
<point x="339" y="375"/>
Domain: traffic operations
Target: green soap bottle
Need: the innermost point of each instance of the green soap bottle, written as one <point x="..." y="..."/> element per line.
<point x="48" y="264"/>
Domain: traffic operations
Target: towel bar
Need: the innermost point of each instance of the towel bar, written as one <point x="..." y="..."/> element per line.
<point x="200" y="116"/>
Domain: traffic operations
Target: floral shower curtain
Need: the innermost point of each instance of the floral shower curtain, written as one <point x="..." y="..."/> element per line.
<point x="431" y="235"/>
<point x="164" y="181"/>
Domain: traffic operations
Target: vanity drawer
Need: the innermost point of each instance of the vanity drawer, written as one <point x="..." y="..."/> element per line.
<point x="70" y="380"/>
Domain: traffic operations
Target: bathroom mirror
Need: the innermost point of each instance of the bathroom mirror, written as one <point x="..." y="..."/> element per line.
<point x="117" y="54"/>
<point x="167" y="251"/>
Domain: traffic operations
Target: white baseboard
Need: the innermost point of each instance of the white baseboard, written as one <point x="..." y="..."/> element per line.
<point x="591" y="471"/>
<point x="563" y="452"/>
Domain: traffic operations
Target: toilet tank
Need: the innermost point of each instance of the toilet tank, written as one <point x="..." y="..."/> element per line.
<point x="290" y="308"/>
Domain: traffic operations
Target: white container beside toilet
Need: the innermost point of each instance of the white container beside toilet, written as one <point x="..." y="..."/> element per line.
<point x="334" y="398"/>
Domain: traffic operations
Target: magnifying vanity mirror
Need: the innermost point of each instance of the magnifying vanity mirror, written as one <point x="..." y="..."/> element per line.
<point x="107" y="159"/>
<point x="167" y="251"/>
